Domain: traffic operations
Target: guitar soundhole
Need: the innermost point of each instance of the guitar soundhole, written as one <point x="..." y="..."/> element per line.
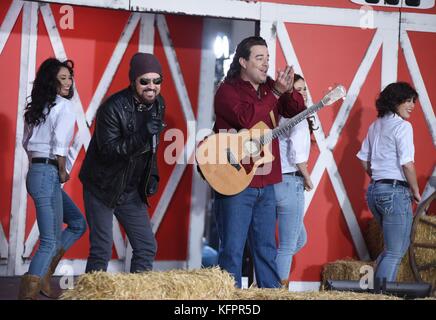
<point x="251" y="147"/>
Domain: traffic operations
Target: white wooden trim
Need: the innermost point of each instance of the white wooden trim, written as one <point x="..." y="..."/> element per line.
<point x="5" y="30"/>
<point x="19" y="193"/>
<point x="354" y="90"/>
<point x="389" y="57"/>
<point x="171" y="186"/>
<point x="146" y="33"/>
<point x="316" y="15"/>
<point x="78" y="266"/>
<point x="3" y="269"/>
<point x="418" y="22"/>
<point x="417" y="79"/>
<point x="176" y="71"/>
<point x="215" y="8"/>
<point x="304" y="286"/>
<point x="112" y="67"/>
<point x="4" y="246"/>
<point x="268" y="31"/>
<point x="9" y="22"/>
<point x="262" y="11"/>
<point x="199" y="193"/>
<point x="110" y="4"/>
<point x="430" y="186"/>
<point x="33" y="40"/>
<point x="287" y="47"/>
<point x="188" y="150"/>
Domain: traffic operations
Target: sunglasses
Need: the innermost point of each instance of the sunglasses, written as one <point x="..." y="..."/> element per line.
<point x="145" y="81"/>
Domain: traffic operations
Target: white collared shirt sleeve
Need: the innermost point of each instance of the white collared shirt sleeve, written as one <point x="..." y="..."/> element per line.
<point x="404" y="142"/>
<point x="301" y="142"/>
<point x="365" y="153"/>
<point x="63" y="129"/>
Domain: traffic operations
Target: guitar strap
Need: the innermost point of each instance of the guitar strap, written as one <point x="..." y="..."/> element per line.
<point x="273" y="119"/>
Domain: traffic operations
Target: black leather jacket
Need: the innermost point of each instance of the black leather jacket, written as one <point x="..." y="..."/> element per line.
<point x="115" y="146"/>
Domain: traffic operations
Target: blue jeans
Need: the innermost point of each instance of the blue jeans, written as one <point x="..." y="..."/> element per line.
<point x="133" y="216"/>
<point x="53" y="207"/>
<point x="249" y="213"/>
<point x="290" y="213"/>
<point x="391" y="206"/>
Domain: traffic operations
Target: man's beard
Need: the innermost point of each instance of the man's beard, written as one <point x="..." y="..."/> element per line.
<point x="143" y="99"/>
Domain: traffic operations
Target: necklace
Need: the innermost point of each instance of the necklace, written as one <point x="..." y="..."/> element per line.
<point x="141" y="107"/>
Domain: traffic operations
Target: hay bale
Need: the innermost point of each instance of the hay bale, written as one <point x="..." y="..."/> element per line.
<point x="425" y="233"/>
<point x="374" y="239"/>
<point x="343" y="270"/>
<point x="283" y="294"/>
<point x="350" y="270"/>
<point x="211" y="283"/>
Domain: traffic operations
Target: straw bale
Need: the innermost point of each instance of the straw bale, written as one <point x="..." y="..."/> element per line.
<point x="374" y="239"/>
<point x="343" y="270"/>
<point x="211" y="283"/>
<point x="426" y="234"/>
<point x="283" y="294"/>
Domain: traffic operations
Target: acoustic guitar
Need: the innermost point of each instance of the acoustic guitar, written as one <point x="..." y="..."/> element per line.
<point x="229" y="161"/>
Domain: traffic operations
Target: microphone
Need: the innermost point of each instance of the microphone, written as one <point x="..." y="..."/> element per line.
<point x="155" y="114"/>
<point x="154" y="143"/>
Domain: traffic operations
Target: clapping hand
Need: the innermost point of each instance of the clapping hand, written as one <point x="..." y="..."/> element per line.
<point x="285" y="80"/>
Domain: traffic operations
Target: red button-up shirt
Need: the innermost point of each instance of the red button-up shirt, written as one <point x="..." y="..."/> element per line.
<point x="238" y="106"/>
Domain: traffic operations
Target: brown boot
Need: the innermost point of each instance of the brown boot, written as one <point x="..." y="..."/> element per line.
<point x="46" y="288"/>
<point x="285" y="284"/>
<point x="29" y="287"/>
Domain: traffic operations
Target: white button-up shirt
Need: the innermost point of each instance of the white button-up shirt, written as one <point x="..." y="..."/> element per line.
<point x="52" y="137"/>
<point x="294" y="146"/>
<point x="387" y="146"/>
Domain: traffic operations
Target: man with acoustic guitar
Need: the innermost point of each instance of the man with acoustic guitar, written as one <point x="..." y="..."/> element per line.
<point x="246" y="97"/>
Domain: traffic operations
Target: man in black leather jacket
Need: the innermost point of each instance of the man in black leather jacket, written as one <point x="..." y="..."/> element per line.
<point x="120" y="167"/>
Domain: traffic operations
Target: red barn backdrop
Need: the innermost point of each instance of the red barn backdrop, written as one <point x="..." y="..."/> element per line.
<point x="327" y="41"/>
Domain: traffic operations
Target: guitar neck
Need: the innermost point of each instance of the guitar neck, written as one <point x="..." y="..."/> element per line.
<point x="292" y="122"/>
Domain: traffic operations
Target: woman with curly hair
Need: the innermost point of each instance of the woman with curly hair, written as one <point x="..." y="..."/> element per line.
<point x="387" y="155"/>
<point x="49" y="128"/>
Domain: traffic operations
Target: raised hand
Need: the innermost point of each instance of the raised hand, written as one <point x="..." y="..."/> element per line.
<point x="284" y="81"/>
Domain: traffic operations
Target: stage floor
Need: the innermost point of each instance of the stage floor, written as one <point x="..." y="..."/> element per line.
<point x="9" y="287"/>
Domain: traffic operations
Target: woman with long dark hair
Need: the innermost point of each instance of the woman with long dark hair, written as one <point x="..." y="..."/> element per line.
<point x="387" y="155"/>
<point x="49" y="128"/>
<point x="294" y="154"/>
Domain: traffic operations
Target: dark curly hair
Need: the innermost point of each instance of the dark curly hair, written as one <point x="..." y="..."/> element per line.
<point x="45" y="89"/>
<point x="243" y="50"/>
<point x="311" y="119"/>
<point x="392" y="96"/>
